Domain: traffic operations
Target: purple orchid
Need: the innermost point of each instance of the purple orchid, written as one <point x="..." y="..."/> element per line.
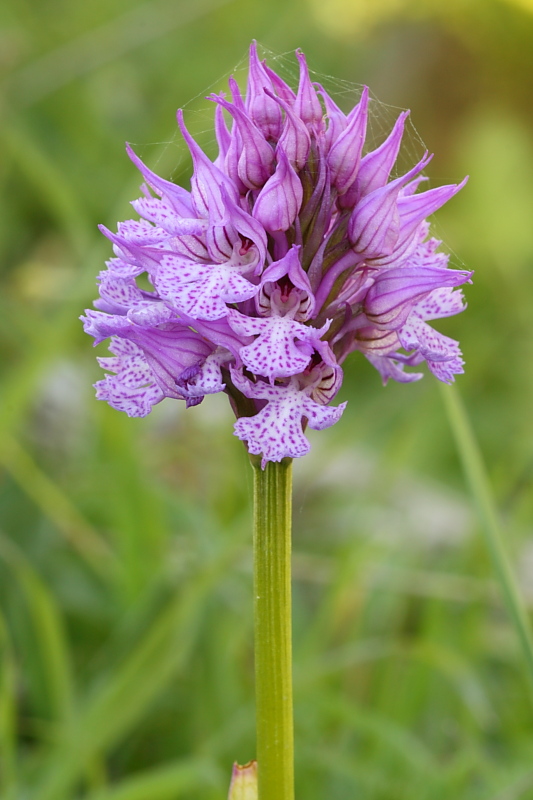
<point x="292" y="250"/>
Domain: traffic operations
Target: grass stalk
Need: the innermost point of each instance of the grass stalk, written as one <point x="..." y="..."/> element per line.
<point x="476" y="475"/>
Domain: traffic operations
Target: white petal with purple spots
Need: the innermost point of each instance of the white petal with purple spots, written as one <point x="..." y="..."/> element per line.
<point x="202" y="290"/>
<point x="276" y="431"/>
<point x="275" y="353"/>
<point x="133" y="388"/>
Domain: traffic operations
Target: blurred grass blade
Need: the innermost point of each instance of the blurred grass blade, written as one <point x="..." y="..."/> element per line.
<point x="8" y="713"/>
<point x="120" y="702"/>
<point x="138" y="26"/>
<point x="397" y="741"/>
<point x="58" y="194"/>
<point x="56" y="505"/>
<point x="46" y="643"/>
<point x="476" y="475"/>
<point x="165" y="783"/>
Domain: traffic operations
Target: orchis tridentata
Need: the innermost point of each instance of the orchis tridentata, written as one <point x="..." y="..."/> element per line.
<point x="291" y="250"/>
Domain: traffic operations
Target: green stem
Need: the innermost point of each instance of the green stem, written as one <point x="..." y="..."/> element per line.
<point x="272" y="621"/>
<point x="476" y="475"/>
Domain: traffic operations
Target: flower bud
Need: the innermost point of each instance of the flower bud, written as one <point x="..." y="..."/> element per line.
<point x="307" y="105"/>
<point x="243" y="782"/>
<point x="262" y="108"/>
<point x="345" y="154"/>
<point x="280" y="199"/>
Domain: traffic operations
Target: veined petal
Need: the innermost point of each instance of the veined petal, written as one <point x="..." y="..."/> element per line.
<point x="290" y="267"/>
<point x="262" y="108"/>
<point x="390" y="299"/>
<point x="337" y="119"/>
<point x="307" y="105"/>
<point x="280" y="87"/>
<point x="376" y="166"/>
<point x="280" y="199"/>
<point x="257" y="156"/>
<point x="374" y="226"/>
<point x="413" y="209"/>
<point x="345" y="154"/>
<point x="389" y="367"/>
<point x="295" y="140"/>
<point x="223" y="137"/>
<point x="207" y="178"/>
<point x="176" y="196"/>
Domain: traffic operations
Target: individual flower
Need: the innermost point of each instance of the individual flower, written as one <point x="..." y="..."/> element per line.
<point x="292" y="249"/>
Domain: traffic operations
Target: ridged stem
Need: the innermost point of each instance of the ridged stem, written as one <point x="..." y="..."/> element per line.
<point x="272" y="629"/>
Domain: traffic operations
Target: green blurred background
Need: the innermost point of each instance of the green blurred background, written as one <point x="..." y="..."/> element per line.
<point x="125" y="562"/>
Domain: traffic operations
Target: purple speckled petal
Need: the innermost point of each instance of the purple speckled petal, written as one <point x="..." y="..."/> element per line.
<point x="202" y="290"/>
<point x="206" y="379"/>
<point x="276" y="431"/>
<point x="138" y="231"/>
<point x="166" y="219"/>
<point x="432" y="345"/>
<point x="133" y="389"/>
<point x="442" y="354"/>
<point x="117" y="293"/>
<point x="133" y="402"/>
<point x="320" y="417"/>
<point x="275" y="353"/>
<point x="446" y="371"/>
<point x="122" y="268"/>
<point x="444" y="302"/>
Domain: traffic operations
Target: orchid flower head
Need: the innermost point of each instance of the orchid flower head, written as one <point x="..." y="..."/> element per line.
<point x="291" y="250"/>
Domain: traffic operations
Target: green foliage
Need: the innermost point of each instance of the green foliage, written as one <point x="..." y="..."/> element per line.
<point x="126" y="666"/>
